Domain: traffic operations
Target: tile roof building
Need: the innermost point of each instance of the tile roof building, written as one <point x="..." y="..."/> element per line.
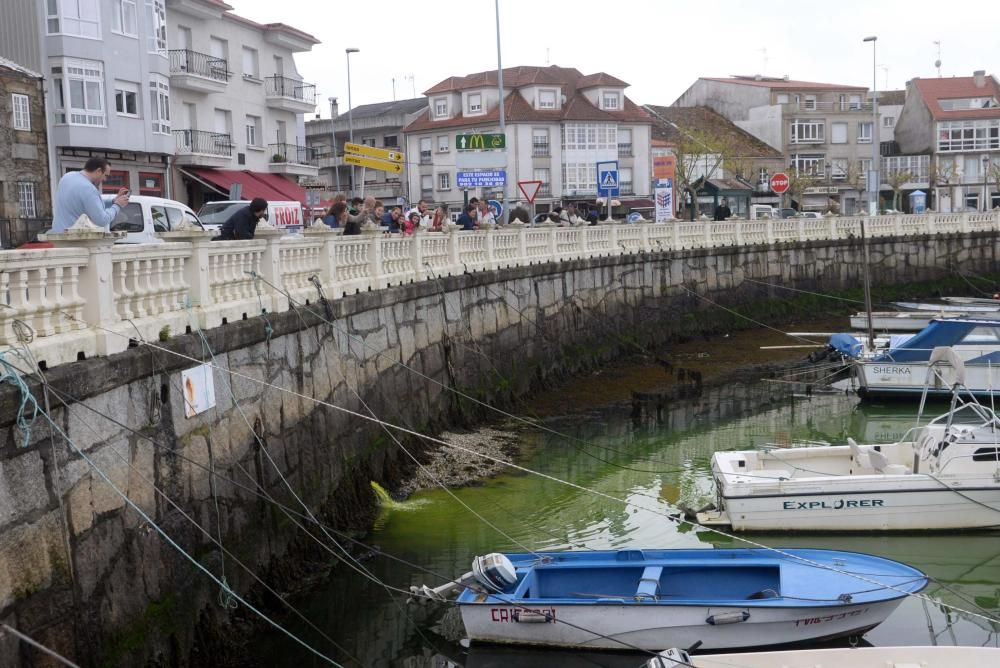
<point x="824" y="131"/>
<point x="957" y="122"/>
<point x="560" y="123"/>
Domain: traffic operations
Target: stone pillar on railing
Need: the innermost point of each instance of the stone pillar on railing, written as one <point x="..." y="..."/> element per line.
<point x="270" y="266"/>
<point x="707" y="230"/>
<point x="897" y="224"/>
<point x="489" y="245"/>
<point x="522" y="243"/>
<point x="676" y="237"/>
<point x="95" y="286"/>
<point x="644" y="234"/>
<point x="454" y="253"/>
<point x="613" y="239"/>
<point x="769" y="230"/>
<point x="963" y="222"/>
<point x="417" y="254"/>
<point x="802" y="229"/>
<point x="739" y="229"/>
<point x="196" y="266"/>
<point x="375" y="269"/>
<point x="831" y="222"/>
<point x="327" y="254"/>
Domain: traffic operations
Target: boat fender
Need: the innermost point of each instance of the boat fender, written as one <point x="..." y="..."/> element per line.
<point x="845" y="598"/>
<point x="494" y="571"/>
<point x="728" y="618"/>
<point x="532" y="616"/>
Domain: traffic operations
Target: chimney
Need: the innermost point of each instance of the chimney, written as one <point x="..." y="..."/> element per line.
<point x="333" y="108"/>
<point x="980" y="77"/>
<point x="785" y="78"/>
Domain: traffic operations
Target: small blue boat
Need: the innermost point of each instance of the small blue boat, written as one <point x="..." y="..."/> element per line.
<point x="657" y="599"/>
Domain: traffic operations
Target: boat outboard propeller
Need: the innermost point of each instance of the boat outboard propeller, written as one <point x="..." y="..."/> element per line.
<point x="494" y="571"/>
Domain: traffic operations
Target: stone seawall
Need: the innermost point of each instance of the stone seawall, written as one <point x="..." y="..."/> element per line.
<point x="87" y="576"/>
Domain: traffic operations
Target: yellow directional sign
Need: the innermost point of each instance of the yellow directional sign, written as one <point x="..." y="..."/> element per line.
<point x="372" y="152"/>
<point x="372" y="163"/>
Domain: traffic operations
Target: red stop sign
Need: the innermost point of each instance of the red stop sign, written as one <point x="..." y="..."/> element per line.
<point x="779" y="182"/>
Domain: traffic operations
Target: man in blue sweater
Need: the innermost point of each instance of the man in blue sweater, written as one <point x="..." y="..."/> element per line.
<point x="79" y="193"/>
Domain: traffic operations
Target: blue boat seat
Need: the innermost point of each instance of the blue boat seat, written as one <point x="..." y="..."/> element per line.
<point x="649" y="583"/>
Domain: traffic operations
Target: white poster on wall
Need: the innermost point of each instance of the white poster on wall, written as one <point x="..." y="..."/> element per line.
<point x="664" y="193"/>
<point x="199" y="390"/>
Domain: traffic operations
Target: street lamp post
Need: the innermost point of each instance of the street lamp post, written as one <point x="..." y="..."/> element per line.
<point x="503" y="125"/>
<point x="986" y="183"/>
<point x="350" y="108"/>
<point x="873" y="173"/>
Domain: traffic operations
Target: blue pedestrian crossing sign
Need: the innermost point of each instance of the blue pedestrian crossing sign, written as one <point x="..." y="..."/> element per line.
<point x="607" y="178"/>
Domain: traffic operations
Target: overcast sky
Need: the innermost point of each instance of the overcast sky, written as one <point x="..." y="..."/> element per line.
<point x="659" y="47"/>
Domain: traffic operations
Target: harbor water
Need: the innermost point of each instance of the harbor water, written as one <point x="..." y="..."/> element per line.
<point x="603" y="477"/>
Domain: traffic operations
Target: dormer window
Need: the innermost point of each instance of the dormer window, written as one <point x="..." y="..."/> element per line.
<point x="475" y="103"/>
<point x="547" y="99"/>
<point x="440" y="107"/>
<point x="610" y="100"/>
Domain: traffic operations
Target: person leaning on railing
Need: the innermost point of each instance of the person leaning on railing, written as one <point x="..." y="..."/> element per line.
<point x="79" y="193"/>
<point x="243" y="223"/>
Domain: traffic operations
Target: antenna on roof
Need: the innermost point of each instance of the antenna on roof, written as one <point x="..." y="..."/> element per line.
<point x="763" y="51"/>
<point x="413" y="85"/>
<point x="547" y="60"/>
<point x="937" y="63"/>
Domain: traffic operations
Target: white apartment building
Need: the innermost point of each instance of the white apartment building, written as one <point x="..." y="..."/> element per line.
<point x="559" y="124"/>
<point x="237" y="103"/>
<point x="107" y="72"/>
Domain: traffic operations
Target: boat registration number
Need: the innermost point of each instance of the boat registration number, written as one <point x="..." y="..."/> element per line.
<point x="506" y="614"/>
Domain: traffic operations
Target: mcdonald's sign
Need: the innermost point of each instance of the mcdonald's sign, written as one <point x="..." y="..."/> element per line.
<point x="481" y="141"/>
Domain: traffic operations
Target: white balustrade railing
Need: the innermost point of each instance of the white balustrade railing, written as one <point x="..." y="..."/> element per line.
<point x="87" y="296"/>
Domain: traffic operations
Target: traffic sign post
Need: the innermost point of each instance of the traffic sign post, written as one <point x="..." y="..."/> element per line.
<point x="779" y="184"/>
<point x="372" y="152"/>
<point x="607" y="181"/>
<point x="481" y="141"/>
<point x="385" y="166"/>
<point x="529" y="189"/>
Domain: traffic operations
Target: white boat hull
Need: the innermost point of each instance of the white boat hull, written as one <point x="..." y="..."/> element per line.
<point x="658" y="627"/>
<point x="860" y="657"/>
<point x="868" y="503"/>
<point x="882" y="379"/>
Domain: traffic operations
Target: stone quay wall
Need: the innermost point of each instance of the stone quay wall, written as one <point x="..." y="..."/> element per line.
<point x="89" y="577"/>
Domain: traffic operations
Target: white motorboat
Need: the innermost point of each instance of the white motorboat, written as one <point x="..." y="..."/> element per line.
<point x="905" y="368"/>
<point x="902" y="321"/>
<point x="946" y="477"/>
<point x="967" y="307"/>
<point x="842" y="657"/>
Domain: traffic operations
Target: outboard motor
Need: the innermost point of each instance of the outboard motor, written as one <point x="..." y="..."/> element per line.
<point x="494" y="571"/>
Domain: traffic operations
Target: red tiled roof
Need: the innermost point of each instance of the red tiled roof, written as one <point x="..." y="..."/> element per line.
<point x="670" y="122"/>
<point x="516" y="109"/>
<point x="513" y="77"/>
<point x="279" y="27"/>
<point x="772" y="82"/>
<point x="599" y="79"/>
<point x="933" y="90"/>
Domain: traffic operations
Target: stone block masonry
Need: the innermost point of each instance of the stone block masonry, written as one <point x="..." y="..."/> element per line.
<point x="83" y="574"/>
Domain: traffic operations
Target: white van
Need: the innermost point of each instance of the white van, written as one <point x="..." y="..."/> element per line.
<point x="285" y="216"/>
<point x="144" y="216"/>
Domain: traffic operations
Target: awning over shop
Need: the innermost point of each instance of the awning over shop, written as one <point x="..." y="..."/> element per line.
<point x="271" y="187"/>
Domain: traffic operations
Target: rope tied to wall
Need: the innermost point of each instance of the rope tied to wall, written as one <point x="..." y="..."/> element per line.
<point x="268" y="329"/>
<point x="28" y="409"/>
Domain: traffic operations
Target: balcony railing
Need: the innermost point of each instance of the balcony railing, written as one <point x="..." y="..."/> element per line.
<point x="625" y="150"/>
<point x="819" y="107"/>
<point x="291" y="88"/>
<point x="186" y="61"/>
<point x="625" y="187"/>
<point x="425" y="157"/>
<point x="293" y="153"/>
<point x="200" y="142"/>
<point x="544" y="190"/>
<point x="427" y="193"/>
<point x="540" y="149"/>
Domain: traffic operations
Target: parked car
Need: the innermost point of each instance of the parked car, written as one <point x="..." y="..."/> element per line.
<point x="140" y="219"/>
<point x="283" y="215"/>
<point x="809" y="214"/>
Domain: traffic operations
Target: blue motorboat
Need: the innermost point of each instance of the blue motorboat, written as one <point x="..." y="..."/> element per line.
<point x="656" y="599"/>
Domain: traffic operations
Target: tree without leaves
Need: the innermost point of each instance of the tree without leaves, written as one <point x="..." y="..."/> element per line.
<point x="896" y="179"/>
<point x="699" y="155"/>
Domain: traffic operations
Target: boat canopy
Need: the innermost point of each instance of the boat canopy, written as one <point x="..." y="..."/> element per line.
<point x="948" y="332"/>
<point x="846" y="345"/>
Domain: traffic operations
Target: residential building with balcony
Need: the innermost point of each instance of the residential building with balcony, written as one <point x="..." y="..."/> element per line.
<point x="237" y="105"/>
<point x="379" y="125"/>
<point x="956" y="122"/>
<point x="737" y="167"/>
<point x="824" y="131"/>
<point x="106" y="68"/>
<point x="25" y="196"/>
<point x="559" y="124"/>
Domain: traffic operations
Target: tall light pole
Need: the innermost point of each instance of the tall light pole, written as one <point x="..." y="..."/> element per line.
<point x="503" y="125"/>
<point x="873" y="173"/>
<point x="350" y="108"/>
<point x="986" y="183"/>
